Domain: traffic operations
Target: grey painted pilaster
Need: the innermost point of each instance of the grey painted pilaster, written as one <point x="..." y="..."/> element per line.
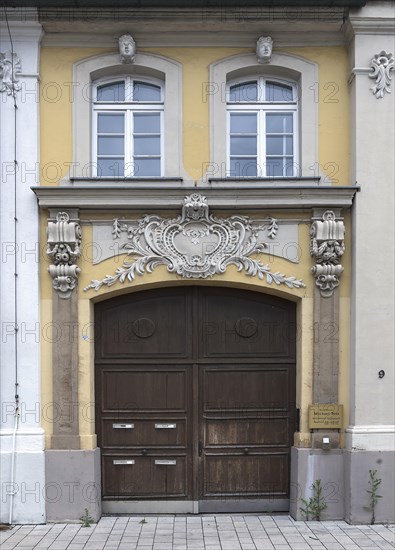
<point x="327" y="248"/>
<point x="63" y="249"/>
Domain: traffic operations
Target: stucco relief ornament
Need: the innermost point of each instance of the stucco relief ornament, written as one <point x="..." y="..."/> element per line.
<point x="64" y="241"/>
<point x="10" y="67"/>
<point x="264" y="48"/>
<point x="195" y="245"/>
<point x="382" y="64"/>
<point x="127" y="48"/>
<point x="327" y="248"/>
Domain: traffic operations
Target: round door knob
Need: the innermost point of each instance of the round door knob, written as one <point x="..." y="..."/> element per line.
<point x="144" y="452"/>
<point x="246" y="451"/>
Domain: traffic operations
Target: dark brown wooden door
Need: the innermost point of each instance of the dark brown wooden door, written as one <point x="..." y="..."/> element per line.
<point x="195" y="396"/>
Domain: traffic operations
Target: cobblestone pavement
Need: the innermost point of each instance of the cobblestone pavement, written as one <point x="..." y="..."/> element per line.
<point x="221" y="532"/>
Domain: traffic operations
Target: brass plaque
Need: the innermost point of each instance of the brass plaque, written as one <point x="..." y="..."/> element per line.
<point x="323" y="416"/>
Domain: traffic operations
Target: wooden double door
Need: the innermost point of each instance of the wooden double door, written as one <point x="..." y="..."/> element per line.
<point x="195" y="397"/>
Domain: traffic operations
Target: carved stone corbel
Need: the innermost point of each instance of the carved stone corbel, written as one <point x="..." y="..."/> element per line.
<point x="327" y="248"/>
<point x="264" y="48"/>
<point x="382" y="64"/>
<point x="64" y="241"/>
<point x="127" y="48"/>
<point x="10" y="67"/>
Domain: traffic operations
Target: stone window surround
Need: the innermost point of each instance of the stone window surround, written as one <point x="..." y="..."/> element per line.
<point x="287" y="66"/>
<point x="88" y="70"/>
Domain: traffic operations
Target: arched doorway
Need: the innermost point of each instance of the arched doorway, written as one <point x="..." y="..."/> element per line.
<point x="195" y="400"/>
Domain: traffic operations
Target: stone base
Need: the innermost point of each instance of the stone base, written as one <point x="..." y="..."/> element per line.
<point x="344" y="478"/>
<point x="308" y="465"/>
<point x="356" y="473"/>
<point x="73" y="483"/>
<point x="28" y="487"/>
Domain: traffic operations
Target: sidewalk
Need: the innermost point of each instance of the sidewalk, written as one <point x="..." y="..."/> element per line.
<point x="221" y="532"/>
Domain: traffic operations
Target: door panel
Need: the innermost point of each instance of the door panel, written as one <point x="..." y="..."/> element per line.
<point x="234" y="441"/>
<point x="145" y="477"/>
<point x="155" y="324"/>
<point x="242" y="324"/>
<point x="238" y="476"/>
<point x="122" y="432"/>
<point x="144" y="390"/>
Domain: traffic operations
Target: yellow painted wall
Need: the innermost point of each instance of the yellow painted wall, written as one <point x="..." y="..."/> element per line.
<point x="56" y="155"/>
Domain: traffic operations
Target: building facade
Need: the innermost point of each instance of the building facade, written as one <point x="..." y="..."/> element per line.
<point x="197" y="259"/>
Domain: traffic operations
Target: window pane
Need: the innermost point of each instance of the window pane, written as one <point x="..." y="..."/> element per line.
<point x="108" y="123"/>
<point x="242" y="145"/>
<point x="146" y="167"/>
<point x="244" y="92"/>
<point x="243" y="123"/>
<point x="110" y="167"/>
<point x="243" y="167"/>
<point x="274" y="145"/>
<point x="146" y="92"/>
<point x="147" y="145"/>
<point x="279" y="123"/>
<point x="111" y="92"/>
<point x="278" y="92"/>
<point x="274" y="166"/>
<point x="147" y="123"/>
<point x="289" y="145"/>
<point x="110" y="145"/>
<point x="280" y="166"/>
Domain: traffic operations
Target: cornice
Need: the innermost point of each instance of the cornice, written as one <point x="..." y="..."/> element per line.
<point x="368" y="25"/>
<point x="241" y="39"/>
<point x="220" y="196"/>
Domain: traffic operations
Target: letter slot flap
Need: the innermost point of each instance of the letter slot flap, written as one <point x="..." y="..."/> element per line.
<point x="164" y="426"/>
<point x="120" y="426"/>
<point x="166" y="462"/>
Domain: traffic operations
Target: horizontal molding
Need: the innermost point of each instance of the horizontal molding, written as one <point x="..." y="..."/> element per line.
<point x="165" y="197"/>
<point x="376" y="437"/>
<point x="27" y="440"/>
<point x="235" y="39"/>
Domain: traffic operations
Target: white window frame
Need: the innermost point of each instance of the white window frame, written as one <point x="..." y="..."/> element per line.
<point x="129" y="107"/>
<point x="261" y="107"/>
<point x="146" y="66"/>
<point x="291" y="68"/>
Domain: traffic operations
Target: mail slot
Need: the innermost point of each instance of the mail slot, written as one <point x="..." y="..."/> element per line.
<point x="124" y="462"/>
<point x="165" y="426"/>
<point x="127" y="426"/>
<point x="166" y="462"/>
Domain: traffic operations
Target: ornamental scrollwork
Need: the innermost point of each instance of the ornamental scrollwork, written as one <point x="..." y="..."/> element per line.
<point x="10" y="67"/>
<point x="382" y="64"/>
<point x="195" y="245"/>
<point x="327" y="248"/>
<point x="64" y="241"/>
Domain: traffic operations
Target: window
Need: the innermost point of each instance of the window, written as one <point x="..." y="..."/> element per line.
<point x="262" y="128"/>
<point x="284" y="87"/>
<point x="113" y="88"/>
<point x="128" y="128"/>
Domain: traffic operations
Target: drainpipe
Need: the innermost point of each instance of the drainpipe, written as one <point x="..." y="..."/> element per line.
<point x="12" y="492"/>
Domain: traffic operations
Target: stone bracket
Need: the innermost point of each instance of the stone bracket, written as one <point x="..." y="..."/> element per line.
<point x="63" y="249"/>
<point x="327" y="247"/>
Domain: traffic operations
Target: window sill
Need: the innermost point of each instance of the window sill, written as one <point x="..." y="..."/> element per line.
<point x="134" y="183"/>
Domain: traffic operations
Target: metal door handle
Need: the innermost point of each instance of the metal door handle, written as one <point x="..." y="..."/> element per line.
<point x="200" y="448"/>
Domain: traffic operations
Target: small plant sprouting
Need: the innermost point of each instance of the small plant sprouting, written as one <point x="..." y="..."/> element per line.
<point x="374" y="483"/>
<point x="86" y="519"/>
<point x="315" y="505"/>
<point x="143" y="521"/>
